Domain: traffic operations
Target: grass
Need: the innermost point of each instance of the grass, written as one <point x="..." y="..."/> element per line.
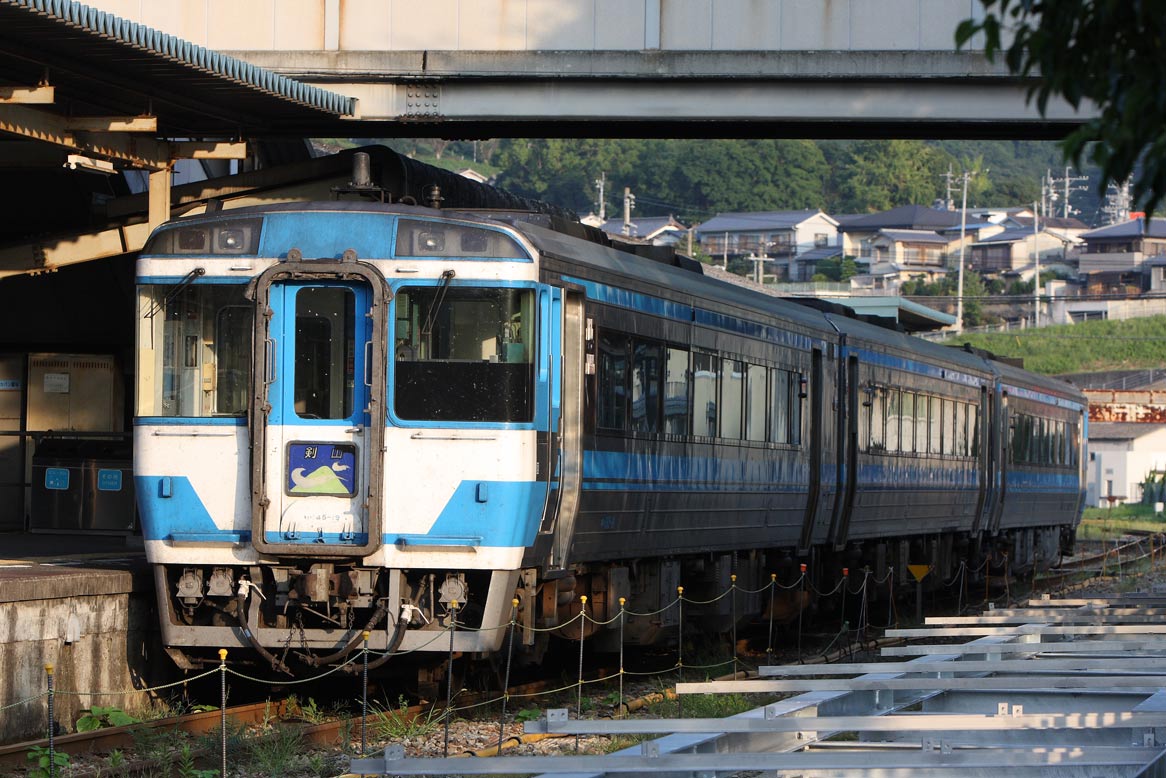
<point x="396" y="723"/>
<point x="1080" y="348"/>
<point x="1107" y="523"/>
<point x="277" y="751"/>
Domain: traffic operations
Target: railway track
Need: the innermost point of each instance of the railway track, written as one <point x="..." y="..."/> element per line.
<point x="340" y="732"/>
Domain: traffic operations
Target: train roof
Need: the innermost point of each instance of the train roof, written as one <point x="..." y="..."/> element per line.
<point x="673" y="277"/>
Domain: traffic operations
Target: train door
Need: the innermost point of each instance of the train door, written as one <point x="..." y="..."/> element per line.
<point x="985" y="460"/>
<point x="575" y="328"/>
<point x="811" y="518"/>
<point x="317" y="418"/>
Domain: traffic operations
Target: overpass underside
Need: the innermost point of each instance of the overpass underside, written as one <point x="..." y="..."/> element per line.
<point x="739" y="94"/>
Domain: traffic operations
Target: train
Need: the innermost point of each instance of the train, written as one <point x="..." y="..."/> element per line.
<point x="422" y="418"/>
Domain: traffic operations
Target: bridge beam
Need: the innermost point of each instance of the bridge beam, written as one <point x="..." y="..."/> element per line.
<point x="676" y="94"/>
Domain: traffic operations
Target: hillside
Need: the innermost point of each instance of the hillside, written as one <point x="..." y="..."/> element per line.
<point x="1081" y="348"/>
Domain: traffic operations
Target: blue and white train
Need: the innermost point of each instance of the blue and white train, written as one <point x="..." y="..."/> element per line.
<point x="361" y="416"/>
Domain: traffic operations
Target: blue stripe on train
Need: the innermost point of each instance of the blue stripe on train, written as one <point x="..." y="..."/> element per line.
<point x="495" y="513"/>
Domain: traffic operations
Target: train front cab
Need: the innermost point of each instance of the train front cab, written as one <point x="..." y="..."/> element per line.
<point x="357" y="474"/>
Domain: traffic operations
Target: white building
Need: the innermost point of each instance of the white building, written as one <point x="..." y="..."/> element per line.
<point x="1121" y="455"/>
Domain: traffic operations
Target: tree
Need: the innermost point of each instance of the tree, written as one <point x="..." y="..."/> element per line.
<point x="1106" y="53"/>
<point x="877" y="175"/>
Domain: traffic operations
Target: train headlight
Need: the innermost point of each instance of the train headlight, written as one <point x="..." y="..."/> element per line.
<point x="230" y="241"/>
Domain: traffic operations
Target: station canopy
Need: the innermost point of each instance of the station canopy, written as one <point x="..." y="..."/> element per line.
<point x="86" y="95"/>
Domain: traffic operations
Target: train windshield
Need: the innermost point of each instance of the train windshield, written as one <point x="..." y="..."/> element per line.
<point x="464" y="354"/>
<point x="194" y="350"/>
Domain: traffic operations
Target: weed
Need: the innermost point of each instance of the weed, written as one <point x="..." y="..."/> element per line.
<point x="275" y="752"/>
<point x="397" y="723"/>
<point x="41" y="766"/>
<point x="186" y="768"/>
<point x="98" y="717"/>
<point x="528" y="714"/>
<point x="116" y="758"/>
<point x="309" y="711"/>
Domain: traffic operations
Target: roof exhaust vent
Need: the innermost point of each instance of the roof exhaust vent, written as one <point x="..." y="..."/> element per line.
<point x="361" y="183"/>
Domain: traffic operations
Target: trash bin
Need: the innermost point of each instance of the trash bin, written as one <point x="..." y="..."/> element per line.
<point x="83" y="485"/>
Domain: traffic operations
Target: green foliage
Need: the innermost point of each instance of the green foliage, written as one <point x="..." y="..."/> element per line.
<point x="839" y="269"/>
<point x="693" y="179"/>
<point x="98" y="717"/>
<point x="1078" y="348"/>
<point x="41" y="766"/>
<point x="1091" y="52"/>
<point x="527" y="714"/>
<point x="186" y="768"/>
<point x="879" y="175"/>
<point x="397" y="723"/>
<point x="309" y="711"/>
<point x="275" y="752"/>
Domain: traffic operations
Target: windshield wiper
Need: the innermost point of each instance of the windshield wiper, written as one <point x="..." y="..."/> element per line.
<point x="435" y="309"/>
<point x="175" y="290"/>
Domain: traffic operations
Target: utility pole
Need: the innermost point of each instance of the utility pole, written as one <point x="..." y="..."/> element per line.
<point x="1036" y="278"/>
<point x="629" y="204"/>
<point x="725" y="253"/>
<point x="959" y="292"/>
<point x="949" y="176"/>
<point x="600" y="183"/>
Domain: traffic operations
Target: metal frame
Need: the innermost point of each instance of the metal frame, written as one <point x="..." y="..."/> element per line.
<point x="954" y="710"/>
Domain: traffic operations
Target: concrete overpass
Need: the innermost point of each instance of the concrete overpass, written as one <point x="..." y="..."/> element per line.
<point x="658" y="68"/>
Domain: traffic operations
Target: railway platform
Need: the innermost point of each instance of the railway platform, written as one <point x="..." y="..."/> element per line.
<point x="85" y="605"/>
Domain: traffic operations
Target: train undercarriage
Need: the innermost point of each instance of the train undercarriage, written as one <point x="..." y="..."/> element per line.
<point x="296" y="617"/>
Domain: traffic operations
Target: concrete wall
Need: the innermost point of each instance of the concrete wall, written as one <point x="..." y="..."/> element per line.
<point x="96" y="627"/>
<point x="555" y="25"/>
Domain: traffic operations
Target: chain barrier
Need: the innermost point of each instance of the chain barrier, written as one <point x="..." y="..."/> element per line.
<point x="585" y="620"/>
<point x="25" y="701"/>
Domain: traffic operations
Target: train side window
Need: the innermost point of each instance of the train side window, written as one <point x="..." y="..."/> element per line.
<point x="732" y="396"/>
<point x="646" y="387"/>
<point x="1046" y="437"/>
<point x="755" y="398"/>
<point x="948" y="417"/>
<point x="935" y="425"/>
<point x="779" y="402"/>
<point x="612" y="392"/>
<point x="894" y="412"/>
<point x="974" y="428"/>
<point x="963" y="411"/>
<point x="676" y="392"/>
<point x="907" y="432"/>
<point x="877" y="440"/>
<point x="795" y="408"/>
<point x="704" y="394"/>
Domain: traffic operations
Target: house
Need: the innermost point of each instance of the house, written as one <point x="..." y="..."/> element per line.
<point x="1121" y="456"/>
<point x="657" y="230"/>
<point x="1057" y="225"/>
<point x="473" y="175"/>
<point x="782" y="236"/>
<point x="1014" y="250"/>
<point x="1137" y="245"/>
<point x="859" y="232"/>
